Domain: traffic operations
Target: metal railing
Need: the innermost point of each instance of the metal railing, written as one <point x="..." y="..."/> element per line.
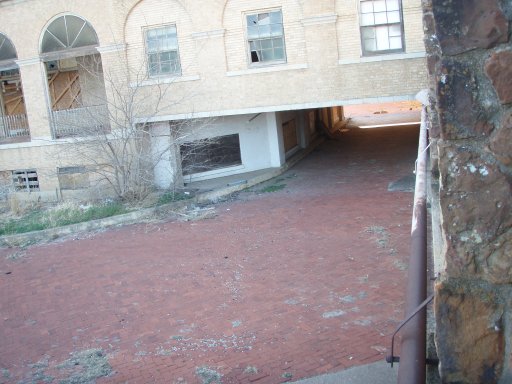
<point x="413" y="359"/>
<point x="84" y="121"/>
<point x="13" y="126"/>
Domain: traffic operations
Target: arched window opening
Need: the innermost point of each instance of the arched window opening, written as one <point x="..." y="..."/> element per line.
<point x="13" y="118"/>
<point x="76" y="86"/>
<point x="7" y="51"/>
<point x="68" y="32"/>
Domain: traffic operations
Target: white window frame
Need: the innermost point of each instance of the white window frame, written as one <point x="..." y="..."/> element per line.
<point x="384" y="20"/>
<point x="176" y="71"/>
<point x="250" y="51"/>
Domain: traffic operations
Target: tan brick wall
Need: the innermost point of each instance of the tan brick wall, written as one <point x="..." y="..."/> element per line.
<point x="322" y="60"/>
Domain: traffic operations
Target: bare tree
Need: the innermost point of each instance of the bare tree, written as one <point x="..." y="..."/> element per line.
<point x="110" y="130"/>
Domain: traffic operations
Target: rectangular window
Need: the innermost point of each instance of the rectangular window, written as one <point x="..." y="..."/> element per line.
<point x="265" y="35"/>
<point x="209" y="154"/>
<point x="381" y="26"/>
<point x="72" y="178"/>
<point x="162" y="51"/>
<point x="25" y="180"/>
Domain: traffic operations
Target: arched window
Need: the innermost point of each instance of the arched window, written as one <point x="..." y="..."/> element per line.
<point x="7" y="51"/>
<point x="67" y="32"/>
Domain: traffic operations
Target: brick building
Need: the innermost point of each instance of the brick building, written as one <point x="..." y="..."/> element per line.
<point x="254" y="74"/>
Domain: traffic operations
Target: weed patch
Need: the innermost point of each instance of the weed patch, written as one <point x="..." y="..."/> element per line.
<point x="251" y="370"/>
<point x="85" y="367"/>
<point x="273" y="188"/>
<point x="208" y="375"/>
<point x="380" y="234"/>
<point x="287" y="375"/>
<point x="170" y="197"/>
<point x="58" y="216"/>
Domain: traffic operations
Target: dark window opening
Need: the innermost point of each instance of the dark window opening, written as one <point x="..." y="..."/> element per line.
<point x="210" y="154"/>
<point x="25" y="180"/>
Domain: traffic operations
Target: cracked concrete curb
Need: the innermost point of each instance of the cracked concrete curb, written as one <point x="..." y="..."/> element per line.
<point x="139" y="216"/>
<point x="379" y="372"/>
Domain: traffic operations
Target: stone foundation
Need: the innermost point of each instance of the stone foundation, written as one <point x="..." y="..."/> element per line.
<point x="470" y="70"/>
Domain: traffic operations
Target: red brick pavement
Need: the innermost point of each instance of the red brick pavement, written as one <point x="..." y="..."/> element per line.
<point x="277" y="287"/>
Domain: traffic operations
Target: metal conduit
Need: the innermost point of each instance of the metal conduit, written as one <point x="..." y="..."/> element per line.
<point x="412" y="366"/>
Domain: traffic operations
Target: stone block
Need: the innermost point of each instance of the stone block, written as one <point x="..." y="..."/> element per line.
<point x="460" y="114"/>
<point x="501" y="141"/>
<point x="471" y="335"/>
<point x="499" y="69"/>
<point x="463" y="25"/>
<point x="476" y="205"/>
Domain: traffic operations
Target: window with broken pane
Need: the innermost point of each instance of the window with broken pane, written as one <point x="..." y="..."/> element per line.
<point x="381" y="26"/>
<point x="265" y="35"/>
<point x="162" y="51"/>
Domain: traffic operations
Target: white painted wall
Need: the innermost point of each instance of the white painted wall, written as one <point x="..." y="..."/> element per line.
<point x="260" y="146"/>
<point x="160" y="150"/>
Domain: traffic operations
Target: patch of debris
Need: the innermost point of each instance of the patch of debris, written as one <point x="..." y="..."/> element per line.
<point x="197" y="213"/>
<point x="331" y="314"/>
<point x="5" y="373"/>
<point x="16" y="255"/>
<point x="405" y="184"/>
<point x="250" y="370"/>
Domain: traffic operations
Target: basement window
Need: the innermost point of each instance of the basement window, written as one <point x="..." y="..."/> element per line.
<point x="73" y="178"/>
<point x="25" y="180"/>
<point x="210" y="154"/>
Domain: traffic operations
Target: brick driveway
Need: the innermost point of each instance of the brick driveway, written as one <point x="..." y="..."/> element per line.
<point x="276" y="287"/>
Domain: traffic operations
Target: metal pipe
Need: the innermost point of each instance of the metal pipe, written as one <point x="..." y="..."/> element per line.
<point x="412" y="368"/>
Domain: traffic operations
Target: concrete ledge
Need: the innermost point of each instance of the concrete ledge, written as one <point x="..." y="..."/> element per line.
<point x="379" y="372"/>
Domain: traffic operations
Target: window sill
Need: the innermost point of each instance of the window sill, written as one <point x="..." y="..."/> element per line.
<point x="165" y="80"/>
<point x="383" y="57"/>
<point x="266" y="69"/>
<point x="231" y="170"/>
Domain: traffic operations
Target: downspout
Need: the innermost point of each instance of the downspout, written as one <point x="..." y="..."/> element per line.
<point x="412" y="361"/>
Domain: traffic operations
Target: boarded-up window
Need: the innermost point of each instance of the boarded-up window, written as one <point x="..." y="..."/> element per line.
<point x="73" y="178"/>
<point x="290" y="135"/>
<point x="25" y="180"/>
<point x="209" y="154"/>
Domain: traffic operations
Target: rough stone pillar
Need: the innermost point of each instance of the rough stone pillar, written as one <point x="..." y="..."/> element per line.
<point x="470" y="68"/>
